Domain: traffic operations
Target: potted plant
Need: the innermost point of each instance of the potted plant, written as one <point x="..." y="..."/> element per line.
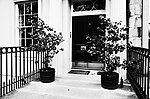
<point x="46" y="40"/>
<point x="107" y="48"/>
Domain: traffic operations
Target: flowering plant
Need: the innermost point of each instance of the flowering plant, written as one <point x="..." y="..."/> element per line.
<point x="46" y="39"/>
<point x="107" y="47"/>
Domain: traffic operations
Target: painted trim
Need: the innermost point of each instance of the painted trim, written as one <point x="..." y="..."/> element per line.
<point x="142" y="24"/>
<point x="85" y="13"/>
<point x="107" y="12"/>
<point x="16" y="24"/>
<point x="17" y="1"/>
<point x="16" y="20"/>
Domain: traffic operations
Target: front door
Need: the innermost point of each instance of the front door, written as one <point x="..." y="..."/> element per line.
<point x="82" y="26"/>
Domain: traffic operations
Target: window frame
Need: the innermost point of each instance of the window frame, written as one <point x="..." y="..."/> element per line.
<point x="18" y="26"/>
<point x="91" y="12"/>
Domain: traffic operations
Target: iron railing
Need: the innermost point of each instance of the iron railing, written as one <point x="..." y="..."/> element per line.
<point x="138" y="72"/>
<point x="18" y="67"/>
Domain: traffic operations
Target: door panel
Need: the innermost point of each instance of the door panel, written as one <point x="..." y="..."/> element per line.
<point x="81" y="26"/>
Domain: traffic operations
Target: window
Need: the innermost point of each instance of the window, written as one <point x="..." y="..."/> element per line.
<point x="27" y="14"/>
<point x="89" y="5"/>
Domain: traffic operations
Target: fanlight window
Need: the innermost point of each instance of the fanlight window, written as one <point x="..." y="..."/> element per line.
<point x="89" y="5"/>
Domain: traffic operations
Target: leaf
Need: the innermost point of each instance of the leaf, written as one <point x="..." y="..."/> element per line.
<point x="47" y="39"/>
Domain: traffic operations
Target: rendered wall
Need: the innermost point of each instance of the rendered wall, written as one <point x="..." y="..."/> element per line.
<point x="118" y="10"/>
<point x="146" y="25"/>
<point x="7" y="37"/>
<point x="118" y="13"/>
<point x="56" y="13"/>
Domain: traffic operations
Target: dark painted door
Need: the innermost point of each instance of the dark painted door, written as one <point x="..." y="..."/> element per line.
<point x="81" y="26"/>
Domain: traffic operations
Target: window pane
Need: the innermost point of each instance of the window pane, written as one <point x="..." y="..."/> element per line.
<point x="34" y="18"/>
<point x="27" y="8"/>
<point x="78" y="6"/>
<point x="88" y="5"/>
<point x="21" y="9"/>
<point x="22" y="42"/>
<point x="28" y="19"/>
<point x="34" y="30"/>
<point x="34" y="7"/>
<point x="28" y="32"/>
<point x="28" y="42"/>
<point x="100" y="4"/>
<point x="22" y="33"/>
<point x="28" y="13"/>
<point x="21" y="20"/>
<point x="35" y="41"/>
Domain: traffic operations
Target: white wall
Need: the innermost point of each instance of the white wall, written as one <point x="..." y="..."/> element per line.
<point x="146" y="27"/>
<point x="56" y="13"/>
<point x="7" y="37"/>
<point x="66" y="25"/>
<point x="44" y="9"/>
<point x="118" y="13"/>
<point x="118" y="10"/>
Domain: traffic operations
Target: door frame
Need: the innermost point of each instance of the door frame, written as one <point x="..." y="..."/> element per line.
<point x="86" y="13"/>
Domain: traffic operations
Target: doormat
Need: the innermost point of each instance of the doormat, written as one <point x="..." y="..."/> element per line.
<point x="79" y="72"/>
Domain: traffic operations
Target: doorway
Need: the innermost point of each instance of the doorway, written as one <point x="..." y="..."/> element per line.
<point x="82" y="26"/>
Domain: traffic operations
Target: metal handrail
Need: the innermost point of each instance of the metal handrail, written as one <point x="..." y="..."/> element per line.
<point x="138" y="74"/>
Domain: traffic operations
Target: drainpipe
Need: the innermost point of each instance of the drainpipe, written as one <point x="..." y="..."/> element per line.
<point x="127" y="25"/>
<point x="142" y="25"/>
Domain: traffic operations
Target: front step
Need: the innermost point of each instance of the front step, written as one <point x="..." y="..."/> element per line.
<point x="87" y="65"/>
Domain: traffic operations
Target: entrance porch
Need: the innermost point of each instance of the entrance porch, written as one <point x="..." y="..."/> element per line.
<point x="72" y="86"/>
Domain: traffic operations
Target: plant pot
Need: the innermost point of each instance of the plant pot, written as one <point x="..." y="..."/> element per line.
<point x="109" y="80"/>
<point x="47" y="75"/>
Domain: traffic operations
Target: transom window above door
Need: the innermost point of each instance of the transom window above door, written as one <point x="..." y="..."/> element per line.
<point x="89" y="5"/>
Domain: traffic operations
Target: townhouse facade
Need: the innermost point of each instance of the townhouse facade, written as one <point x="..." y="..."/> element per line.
<point x="72" y="18"/>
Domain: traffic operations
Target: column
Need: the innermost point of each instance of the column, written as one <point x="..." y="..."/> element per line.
<point x="145" y="23"/>
<point x="67" y="35"/>
<point x="55" y="20"/>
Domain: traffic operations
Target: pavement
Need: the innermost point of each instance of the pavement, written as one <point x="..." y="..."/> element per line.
<point x="72" y="86"/>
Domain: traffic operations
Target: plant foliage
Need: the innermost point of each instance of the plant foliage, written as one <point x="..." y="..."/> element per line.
<point x="46" y="39"/>
<point x="108" y="46"/>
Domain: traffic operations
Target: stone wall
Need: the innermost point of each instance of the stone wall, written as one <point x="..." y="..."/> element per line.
<point x="135" y="21"/>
